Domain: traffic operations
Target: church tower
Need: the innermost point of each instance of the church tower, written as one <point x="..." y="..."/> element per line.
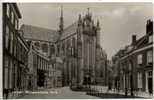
<point x="98" y="33"/>
<point x="61" y="24"/>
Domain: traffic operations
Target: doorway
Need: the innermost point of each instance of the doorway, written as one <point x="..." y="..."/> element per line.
<point x="150" y="85"/>
<point x="40" y="78"/>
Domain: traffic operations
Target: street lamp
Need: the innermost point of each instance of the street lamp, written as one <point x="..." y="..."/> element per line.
<point x="125" y="71"/>
<point x="131" y="77"/>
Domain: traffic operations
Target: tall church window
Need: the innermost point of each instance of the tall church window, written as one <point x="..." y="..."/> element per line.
<point x="63" y="48"/>
<point x="58" y="48"/>
<point x="68" y="47"/>
<point x="73" y="46"/>
<point x="52" y="49"/>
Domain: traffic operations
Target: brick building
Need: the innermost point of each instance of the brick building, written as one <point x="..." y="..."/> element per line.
<point x="15" y="52"/>
<point x="136" y="63"/>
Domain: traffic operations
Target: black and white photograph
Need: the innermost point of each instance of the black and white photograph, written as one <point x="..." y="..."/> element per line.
<point x="69" y="50"/>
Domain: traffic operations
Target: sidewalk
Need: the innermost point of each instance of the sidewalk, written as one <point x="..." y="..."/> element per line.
<point x="104" y="90"/>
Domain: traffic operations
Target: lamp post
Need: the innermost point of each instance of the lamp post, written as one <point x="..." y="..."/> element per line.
<point x="125" y="71"/>
<point x="131" y="77"/>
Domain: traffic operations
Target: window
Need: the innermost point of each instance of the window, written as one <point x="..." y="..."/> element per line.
<point x="37" y="44"/>
<point x="52" y="49"/>
<point x="73" y="47"/>
<point x="139" y="59"/>
<point x="8" y="10"/>
<point x="150" y="39"/>
<point x="11" y="43"/>
<point x="15" y="46"/>
<point x="6" y="64"/>
<point x="139" y="80"/>
<point x="149" y="57"/>
<point x="10" y="73"/>
<point x="12" y="17"/>
<point x="7" y="37"/>
<point x="45" y="48"/>
<point x="16" y="24"/>
<point x="63" y="48"/>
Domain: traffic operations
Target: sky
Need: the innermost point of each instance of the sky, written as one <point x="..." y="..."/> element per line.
<point x="118" y="21"/>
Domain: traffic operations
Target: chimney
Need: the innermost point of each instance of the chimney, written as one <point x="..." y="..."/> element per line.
<point x="149" y="27"/>
<point x="133" y="39"/>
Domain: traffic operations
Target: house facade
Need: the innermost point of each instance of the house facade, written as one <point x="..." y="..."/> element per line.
<point x="15" y="52"/>
<point x="136" y="63"/>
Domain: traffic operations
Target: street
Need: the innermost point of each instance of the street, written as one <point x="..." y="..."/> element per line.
<point x="58" y="93"/>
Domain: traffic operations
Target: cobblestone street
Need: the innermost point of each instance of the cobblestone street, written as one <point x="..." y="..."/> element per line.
<point x="60" y="93"/>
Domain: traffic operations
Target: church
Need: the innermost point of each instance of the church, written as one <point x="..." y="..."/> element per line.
<point x="76" y="46"/>
<point x="73" y="51"/>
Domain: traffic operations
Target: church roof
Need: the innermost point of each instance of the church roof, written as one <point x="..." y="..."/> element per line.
<point x="69" y="30"/>
<point x="38" y="33"/>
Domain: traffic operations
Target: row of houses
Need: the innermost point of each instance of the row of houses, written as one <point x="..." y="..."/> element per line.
<point x="25" y="67"/>
<point x="15" y="51"/>
<point x="134" y="64"/>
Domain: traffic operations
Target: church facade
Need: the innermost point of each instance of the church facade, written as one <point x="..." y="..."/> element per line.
<point x="76" y="46"/>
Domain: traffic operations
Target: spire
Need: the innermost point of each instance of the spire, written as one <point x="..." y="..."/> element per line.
<point x="98" y="26"/>
<point x="88" y="15"/>
<point x="79" y="20"/>
<point x="88" y="10"/>
<point x="61" y="25"/>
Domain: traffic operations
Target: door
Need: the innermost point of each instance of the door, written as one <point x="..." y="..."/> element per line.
<point x="150" y="84"/>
